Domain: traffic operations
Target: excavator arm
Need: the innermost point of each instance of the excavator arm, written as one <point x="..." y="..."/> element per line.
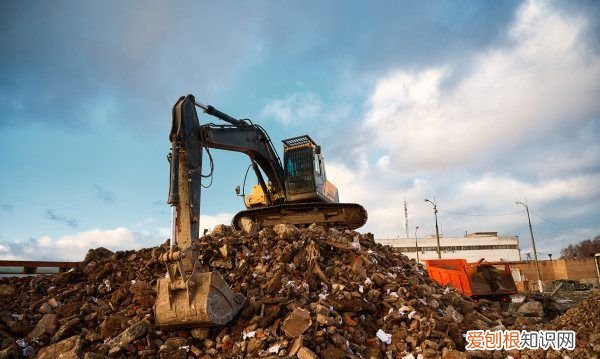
<point x="188" y="296"/>
<point x="254" y="142"/>
<point x="189" y="138"/>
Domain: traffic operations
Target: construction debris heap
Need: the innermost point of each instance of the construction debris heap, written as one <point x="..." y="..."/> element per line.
<point x="311" y="293"/>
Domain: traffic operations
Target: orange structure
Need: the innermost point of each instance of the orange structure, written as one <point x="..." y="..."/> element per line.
<point x="477" y="280"/>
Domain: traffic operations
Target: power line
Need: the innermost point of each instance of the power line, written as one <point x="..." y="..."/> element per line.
<point x="560" y="226"/>
<point x="482" y="215"/>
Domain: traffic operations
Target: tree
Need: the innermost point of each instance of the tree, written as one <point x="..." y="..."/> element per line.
<point x="586" y="248"/>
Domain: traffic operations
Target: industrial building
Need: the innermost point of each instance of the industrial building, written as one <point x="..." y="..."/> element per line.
<point x="471" y="247"/>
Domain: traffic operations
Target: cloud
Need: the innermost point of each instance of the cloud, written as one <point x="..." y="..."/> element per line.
<point x="74" y="247"/>
<point x="521" y="121"/>
<point x="118" y="62"/>
<point x="7" y="207"/>
<point x="6" y="254"/>
<point x="206" y="222"/>
<point x="300" y="107"/>
<point x="71" y="222"/>
<point x="544" y="78"/>
<point x="209" y="222"/>
<point x="105" y="195"/>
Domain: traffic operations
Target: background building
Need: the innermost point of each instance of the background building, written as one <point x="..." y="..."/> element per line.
<point x="471" y="247"/>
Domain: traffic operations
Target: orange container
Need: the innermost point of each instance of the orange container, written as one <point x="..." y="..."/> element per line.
<point x="472" y="279"/>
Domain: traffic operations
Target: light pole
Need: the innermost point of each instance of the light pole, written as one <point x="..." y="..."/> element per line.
<point x="437" y="232"/>
<point x="537" y="265"/>
<point x="417" y="243"/>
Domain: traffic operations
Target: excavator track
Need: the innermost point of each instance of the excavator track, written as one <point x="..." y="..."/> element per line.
<point x="338" y="215"/>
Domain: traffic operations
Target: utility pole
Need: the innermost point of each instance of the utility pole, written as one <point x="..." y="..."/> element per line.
<point x="437" y="232"/>
<point x="597" y="261"/>
<point x="535" y="258"/>
<point x="406" y="219"/>
<point x="417" y="243"/>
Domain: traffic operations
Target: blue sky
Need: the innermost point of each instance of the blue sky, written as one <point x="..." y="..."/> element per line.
<point x="479" y="104"/>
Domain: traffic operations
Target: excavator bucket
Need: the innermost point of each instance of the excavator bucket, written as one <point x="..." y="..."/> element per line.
<point x="208" y="301"/>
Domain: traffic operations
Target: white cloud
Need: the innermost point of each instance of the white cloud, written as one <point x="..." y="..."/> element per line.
<point x="74" y="247"/>
<point x="206" y="222"/>
<point x="430" y="132"/>
<point x="562" y="199"/>
<point x="545" y="77"/>
<point x="497" y="188"/>
<point x="209" y="222"/>
<point x="302" y="106"/>
<point x="6" y="254"/>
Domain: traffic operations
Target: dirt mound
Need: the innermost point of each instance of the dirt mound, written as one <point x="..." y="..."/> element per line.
<point x="584" y="319"/>
<point x="310" y="293"/>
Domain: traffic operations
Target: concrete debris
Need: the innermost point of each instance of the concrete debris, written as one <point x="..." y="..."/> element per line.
<point x="6" y="290"/>
<point x="46" y="325"/>
<point x="384" y="337"/>
<point x="311" y="293"/>
<point x="584" y="319"/>
<point x="249" y="226"/>
<point x="297" y="322"/>
<point x="453" y="315"/>
<point x="66" y="349"/>
<point x="305" y="353"/>
<point x="531" y="309"/>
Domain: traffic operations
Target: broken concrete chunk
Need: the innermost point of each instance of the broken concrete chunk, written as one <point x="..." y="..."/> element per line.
<point x="221" y="263"/>
<point x="384" y="337"/>
<point x="200" y="333"/>
<point x="97" y="254"/>
<point x="531" y="309"/>
<point x="6" y="290"/>
<point x="53" y="303"/>
<point x="130" y="334"/>
<point x="296" y="345"/>
<point x="110" y="327"/>
<point x="223" y="250"/>
<point x="66" y="349"/>
<point x="254" y="345"/>
<point x="221" y="230"/>
<point x="65" y="329"/>
<point x="297" y="322"/>
<point x="453" y="315"/>
<point x="46" y="308"/>
<point x="305" y="353"/>
<point x="286" y="231"/>
<point x="46" y="325"/>
<point x="249" y="226"/>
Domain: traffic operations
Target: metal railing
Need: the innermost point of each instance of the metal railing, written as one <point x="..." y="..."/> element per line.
<point x="33" y="267"/>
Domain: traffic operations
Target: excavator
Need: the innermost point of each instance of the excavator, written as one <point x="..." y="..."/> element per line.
<point x="295" y="191"/>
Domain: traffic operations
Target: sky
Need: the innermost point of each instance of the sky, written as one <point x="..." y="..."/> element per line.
<point x="477" y="104"/>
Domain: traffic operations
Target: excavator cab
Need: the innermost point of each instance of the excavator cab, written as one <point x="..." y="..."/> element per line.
<point x="305" y="178"/>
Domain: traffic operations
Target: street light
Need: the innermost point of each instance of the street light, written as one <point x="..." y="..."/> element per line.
<point x="437" y="232"/>
<point x="417" y="243"/>
<point x="537" y="265"/>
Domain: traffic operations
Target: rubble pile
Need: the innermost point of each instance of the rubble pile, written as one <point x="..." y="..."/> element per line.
<point x="584" y="319"/>
<point x="311" y="293"/>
